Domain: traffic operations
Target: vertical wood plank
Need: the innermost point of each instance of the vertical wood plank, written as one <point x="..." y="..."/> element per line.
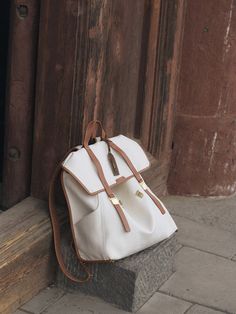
<point x="20" y="101"/>
<point x="55" y="86"/>
<point x="89" y="56"/>
<point x="147" y="79"/>
<point x="115" y="36"/>
<point x="4" y="38"/>
<point x="203" y="160"/>
<point x="109" y="60"/>
<point x="156" y="107"/>
<point x="166" y="24"/>
<point x="173" y="69"/>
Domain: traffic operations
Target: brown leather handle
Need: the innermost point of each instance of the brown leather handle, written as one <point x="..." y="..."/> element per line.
<point x="91" y="131"/>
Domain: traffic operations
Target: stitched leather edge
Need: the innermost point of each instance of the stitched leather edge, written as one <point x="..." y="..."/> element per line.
<point x="101" y="190"/>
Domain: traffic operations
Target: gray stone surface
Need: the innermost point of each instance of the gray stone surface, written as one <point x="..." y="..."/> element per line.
<point x="164" y="304"/>
<point x="77" y="303"/>
<point x="198" y="309"/>
<point x="234" y="258"/>
<point x="206" y="238"/>
<point x="205" y="279"/>
<point x="127" y="283"/>
<point x="218" y="212"/>
<point x="201" y="277"/>
<point x="43" y="300"/>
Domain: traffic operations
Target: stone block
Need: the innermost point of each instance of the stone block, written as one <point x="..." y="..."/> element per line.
<point x="127" y="283"/>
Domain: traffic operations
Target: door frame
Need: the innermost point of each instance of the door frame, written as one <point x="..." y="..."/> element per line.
<point x="19" y="107"/>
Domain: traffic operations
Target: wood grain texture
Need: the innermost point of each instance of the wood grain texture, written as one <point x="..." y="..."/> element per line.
<point x="88" y="68"/>
<point x="164" y="46"/>
<point x="111" y="83"/>
<point x="53" y="112"/>
<point x="27" y="263"/>
<point x="203" y="160"/>
<point x="20" y="103"/>
<point x="108" y="60"/>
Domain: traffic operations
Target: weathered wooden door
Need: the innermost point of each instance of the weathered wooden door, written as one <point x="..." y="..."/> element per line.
<point x="18" y="119"/>
<point x="112" y="60"/>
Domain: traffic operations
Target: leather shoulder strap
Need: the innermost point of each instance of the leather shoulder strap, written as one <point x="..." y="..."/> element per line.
<point x="56" y="227"/>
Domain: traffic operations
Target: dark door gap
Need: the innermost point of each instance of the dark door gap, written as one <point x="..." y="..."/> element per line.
<point x="4" y="38"/>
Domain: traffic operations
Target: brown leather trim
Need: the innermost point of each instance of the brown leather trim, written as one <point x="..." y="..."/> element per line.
<point x="54" y="217"/>
<point x="156" y="201"/>
<point x="121" y="179"/>
<point x="107" y="188"/>
<point x="73" y="232"/>
<point x="127" y="160"/>
<point x="80" y="183"/>
<point x="101" y="190"/>
<point x="56" y="227"/>
<point x="91" y="131"/>
<point x="137" y="175"/>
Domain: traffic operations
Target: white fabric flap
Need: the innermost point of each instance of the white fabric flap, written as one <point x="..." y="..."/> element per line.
<point x="81" y="167"/>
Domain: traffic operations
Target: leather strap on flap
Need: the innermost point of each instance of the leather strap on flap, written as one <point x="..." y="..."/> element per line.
<point x="108" y="189"/>
<point x="56" y="228"/>
<point x="137" y="176"/>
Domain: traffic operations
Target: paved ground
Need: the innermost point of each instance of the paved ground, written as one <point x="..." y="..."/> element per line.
<point x="205" y="277"/>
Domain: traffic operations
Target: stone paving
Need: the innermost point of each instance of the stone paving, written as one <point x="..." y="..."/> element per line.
<point x="205" y="277"/>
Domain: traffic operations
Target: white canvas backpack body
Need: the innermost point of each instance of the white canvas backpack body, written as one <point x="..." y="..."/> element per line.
<point x="113" y="213"/>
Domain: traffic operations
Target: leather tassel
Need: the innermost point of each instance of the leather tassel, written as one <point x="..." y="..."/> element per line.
<point x="113" y="164"/>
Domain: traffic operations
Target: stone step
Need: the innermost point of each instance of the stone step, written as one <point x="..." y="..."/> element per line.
<point x="127" y="283"/>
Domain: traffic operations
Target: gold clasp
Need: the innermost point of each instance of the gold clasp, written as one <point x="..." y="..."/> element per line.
<point x="114" y="200"/>
<point x="139" y="194"/>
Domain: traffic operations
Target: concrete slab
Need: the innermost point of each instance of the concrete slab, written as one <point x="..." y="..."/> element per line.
<point x="205" y="279"/>
<point x="129" y="282"/>
<point x="218" y="212"/>
<point x="164" y="304"/>
<point x="43" y="300"/>
<point x="74" y="303"/>
<point x="198" y="309"/>
<point x="206" y="238"/>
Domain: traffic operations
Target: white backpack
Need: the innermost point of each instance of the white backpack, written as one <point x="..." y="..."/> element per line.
<point x="113" y="213"/>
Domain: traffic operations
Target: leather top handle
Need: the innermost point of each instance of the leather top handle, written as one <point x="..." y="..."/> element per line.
<point x="91" y="132"/>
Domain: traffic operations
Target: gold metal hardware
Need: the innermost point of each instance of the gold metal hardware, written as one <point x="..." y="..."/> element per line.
<point x="139" y="194"/>
<point x="143" y="185"/>
<point x="114" y="200"/>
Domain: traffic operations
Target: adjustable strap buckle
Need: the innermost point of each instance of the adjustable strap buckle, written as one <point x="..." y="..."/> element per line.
<point x="120" y="210"/>
<point x="143" y="185"/>
<point x="114" y="200"/>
